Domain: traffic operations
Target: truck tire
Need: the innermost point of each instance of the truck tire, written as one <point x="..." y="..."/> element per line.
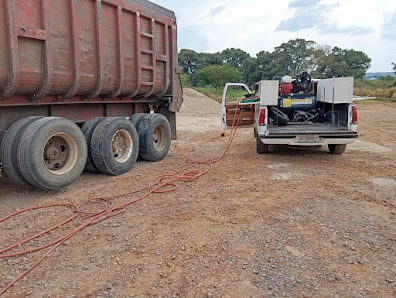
<point x="155" y="137"/>
<point x="9" y="147"/>
<point x="260" y="147"/>
<point x="337" y="149"/>
<point x="115" y="146"/>
<point x="278" y="116"/>
<point x="52" y="153"/>
<point x="136" y="119"/>
<point x="88" y="129"/>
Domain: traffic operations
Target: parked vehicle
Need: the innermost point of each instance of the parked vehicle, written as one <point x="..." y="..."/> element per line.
<point x="300" y="112"/>
<point x="85" y="84"/>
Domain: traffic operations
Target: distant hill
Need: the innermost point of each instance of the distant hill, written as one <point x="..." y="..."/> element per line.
<point x="376" y="75"/>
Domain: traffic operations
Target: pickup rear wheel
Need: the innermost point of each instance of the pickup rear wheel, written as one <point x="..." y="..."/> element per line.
<point x="260" y="147"/>
<point x="155" y="137"/>
<point x="337" y="149"/>
<point x="115" y="146"/>
<point x="52" y="153"/>
<point x="9" y="147"/>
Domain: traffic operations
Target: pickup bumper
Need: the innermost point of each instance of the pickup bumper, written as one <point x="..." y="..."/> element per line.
<point x="308" y="140"/>
<point x="308" y="135"/>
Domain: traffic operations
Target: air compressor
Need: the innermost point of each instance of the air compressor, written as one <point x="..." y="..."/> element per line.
<point x="296" y="95"/>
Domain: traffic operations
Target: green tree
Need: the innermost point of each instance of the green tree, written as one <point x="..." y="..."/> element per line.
<point x="347" y="63"/>
<point x="191" y="61"/>
<point x="218" y="75"/>
<point x="290" y="58"/>
<point x="188" y="59"/>
<point x="320" y="59"/>
<point x="260" y="68"/>
<point x="251" y="72"/>
<point x="234" y="57"/>
<point x="294" y="57"/>
<point x="206" y="59"/>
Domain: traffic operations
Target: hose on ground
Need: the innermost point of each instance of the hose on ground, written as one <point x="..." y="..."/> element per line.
<point x="160" y="184"/>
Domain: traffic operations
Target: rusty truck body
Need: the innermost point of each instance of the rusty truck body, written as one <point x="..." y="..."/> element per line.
<point x="92" y="63"/>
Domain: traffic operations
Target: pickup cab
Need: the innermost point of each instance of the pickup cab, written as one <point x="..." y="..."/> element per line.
<point x="321" y="114"/>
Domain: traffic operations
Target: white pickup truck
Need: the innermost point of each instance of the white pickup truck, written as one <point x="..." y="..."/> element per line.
<point x="300" y="112"/>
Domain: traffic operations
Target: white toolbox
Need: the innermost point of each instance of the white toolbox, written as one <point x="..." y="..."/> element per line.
<point x="335" y="90"/>
<point x="268" y="92"/>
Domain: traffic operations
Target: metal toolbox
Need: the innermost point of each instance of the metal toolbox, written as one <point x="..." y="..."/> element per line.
<point x="335" y="90"/>
<point x="268" y="92"/>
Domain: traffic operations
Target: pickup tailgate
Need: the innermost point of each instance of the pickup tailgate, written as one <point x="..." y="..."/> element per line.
<point x="304" y="129"/>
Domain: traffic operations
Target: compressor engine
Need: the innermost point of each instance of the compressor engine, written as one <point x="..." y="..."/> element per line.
<point x="303" y="83"/>
<point x="285" y="85"/>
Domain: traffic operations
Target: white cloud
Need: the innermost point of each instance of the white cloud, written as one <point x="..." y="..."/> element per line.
<point x="389" y="26"/>
<point x="213" y="25"/>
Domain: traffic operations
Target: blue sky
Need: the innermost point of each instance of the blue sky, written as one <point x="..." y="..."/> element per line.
<point x="256" y="25"/>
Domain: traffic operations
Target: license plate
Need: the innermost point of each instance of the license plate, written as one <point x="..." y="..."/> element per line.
<point x="308" y="139"/>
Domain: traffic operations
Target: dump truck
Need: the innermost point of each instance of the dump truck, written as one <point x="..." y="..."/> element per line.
<point x="296" y="112"/>
<point x="85" y="84"/>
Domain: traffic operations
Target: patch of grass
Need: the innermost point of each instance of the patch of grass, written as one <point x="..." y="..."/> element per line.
<point x="380" y="92"/>
<point x="233" y="95"/>
<point x="382" y="88"/>
<point x="378" y="100"/>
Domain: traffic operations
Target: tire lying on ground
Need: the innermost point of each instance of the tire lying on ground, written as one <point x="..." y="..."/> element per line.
<point x="337" y="149"/>
<point x="9" y="149"/>
<point x="88" y="129"/>
<point x="52" y="153"/>
<point x="155" y="137"/>
<point x="114" y="146"/>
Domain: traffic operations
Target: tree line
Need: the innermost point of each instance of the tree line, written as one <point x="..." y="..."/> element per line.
<point x="290" y="58"/>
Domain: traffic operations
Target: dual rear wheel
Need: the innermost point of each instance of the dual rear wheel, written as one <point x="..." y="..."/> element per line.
<point x="47" y="153"/>
<point x="51" y="153"/>
<point x="114" y="144"/>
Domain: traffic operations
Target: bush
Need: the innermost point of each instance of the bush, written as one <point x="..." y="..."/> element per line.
<point x="185" y="80"/>
<point x="217" y="76"/>
<point x="381" y="88"/>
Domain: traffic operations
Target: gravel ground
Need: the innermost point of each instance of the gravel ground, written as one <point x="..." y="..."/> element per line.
<point x="294" y="223"/>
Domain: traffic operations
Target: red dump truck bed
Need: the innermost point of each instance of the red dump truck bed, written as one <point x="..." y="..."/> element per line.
<point x="84" y="58"/>
<point x="85" y="84"/>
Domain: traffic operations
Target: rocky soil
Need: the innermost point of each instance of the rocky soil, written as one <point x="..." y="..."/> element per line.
<point x="295" y="223"/>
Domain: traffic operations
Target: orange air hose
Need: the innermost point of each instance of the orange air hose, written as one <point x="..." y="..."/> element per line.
<point x="160" y="184"/>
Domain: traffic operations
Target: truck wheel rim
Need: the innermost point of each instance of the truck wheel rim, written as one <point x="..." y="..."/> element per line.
<point x="122" y="146"/>
<point x="159" y="138"/>
<point x="60" y="154"/>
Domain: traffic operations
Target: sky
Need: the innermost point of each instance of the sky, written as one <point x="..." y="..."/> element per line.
<point x="257" y="25"/>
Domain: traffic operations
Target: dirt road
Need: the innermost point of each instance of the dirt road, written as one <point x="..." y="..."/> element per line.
<point x="294" y="223"/>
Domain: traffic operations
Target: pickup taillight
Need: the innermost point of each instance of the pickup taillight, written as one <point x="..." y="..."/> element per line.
<point x="262" y="117"/>
<point x="354" y="115"/>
